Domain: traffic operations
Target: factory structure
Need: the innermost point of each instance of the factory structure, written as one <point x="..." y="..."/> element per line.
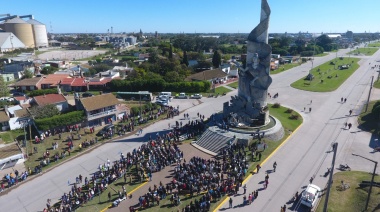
<point x="21" y="32"/>
<point x="118" y="41"/>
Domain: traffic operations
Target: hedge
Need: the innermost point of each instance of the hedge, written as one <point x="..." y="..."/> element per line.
<point x="60" y="120"/>
<point x="159" y="85"/>
<point x="136" y="109"/>
<point x="42" y="92"/>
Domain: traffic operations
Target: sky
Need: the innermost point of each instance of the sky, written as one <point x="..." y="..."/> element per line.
<point x="198" y="16"/>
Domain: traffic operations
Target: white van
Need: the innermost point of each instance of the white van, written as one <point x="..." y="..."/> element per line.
<point x="310" y="195"/>
<point x="164" y="93"/>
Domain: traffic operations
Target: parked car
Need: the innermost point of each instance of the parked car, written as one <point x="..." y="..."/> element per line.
<point x="106" y="129"/>
<point x="196" y="96"/>
<point x="7" y="99"/>
<point x="182" y="96"/>
<point x="18" y="94"/>
<point x="310" y="195"/>
<point x="84" y="95"/>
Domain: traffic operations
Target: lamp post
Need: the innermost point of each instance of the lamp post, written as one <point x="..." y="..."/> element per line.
<point x="12" y="41"/>
<point x="373" y="176"/>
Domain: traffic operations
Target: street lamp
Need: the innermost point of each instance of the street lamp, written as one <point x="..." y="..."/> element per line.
<point x="373" y="176"/>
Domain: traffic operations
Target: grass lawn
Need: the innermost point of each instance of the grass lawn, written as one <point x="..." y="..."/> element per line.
<point x="322" y="54"/>
<point x="354" y="198"/>
<point x="100" y="203"/>
<point x="221" y="89"/>
<point x="284" y="67"/>
<point x="234" y="84"/>
<point x="326" y="77"/>
<point x="377" y="44"/>
<point x="35" y="158"/>
<point x="364" y="51"/>
<point x="376" y="84"/>
<point x="367" y="121"/>
<point x="9" y="136"/>
<point x="289" y="126"/>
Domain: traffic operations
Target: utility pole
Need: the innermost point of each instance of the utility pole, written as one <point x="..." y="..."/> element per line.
<point x="335" y="147"/>
<point x="373" y="177"/>
<point x="369" y="94"/>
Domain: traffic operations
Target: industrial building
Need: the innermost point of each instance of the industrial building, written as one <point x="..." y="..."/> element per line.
<point x="31" y="32"/>
<point x="9" y="42"/>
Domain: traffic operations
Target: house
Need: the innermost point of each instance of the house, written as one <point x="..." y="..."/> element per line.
<point x="18" y="68"/>
<point x="98" y="83"/>
<point x="4" y="120"/>
<point x="17" y="116"/>
<point x="30" y="84"/>
<point x="77" y="84"/>
<point x="24" y="101"/>
<point x="99" y="110"/>
<point x="209" y="75"/>
<point x="109" y="74"/>
<point x="51" y="99"/>
<point x="52" y="80"/>
<point x="8" y="77"/>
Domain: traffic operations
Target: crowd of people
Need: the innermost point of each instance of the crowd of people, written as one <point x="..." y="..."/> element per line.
<point x="139" y="164"/>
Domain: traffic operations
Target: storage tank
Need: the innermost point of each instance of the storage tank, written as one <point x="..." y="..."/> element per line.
<point x="39" y="33"/>
<point x="21" y="29"/>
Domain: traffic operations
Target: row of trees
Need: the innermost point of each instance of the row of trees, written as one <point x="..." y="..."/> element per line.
<point x="158" y="85"/>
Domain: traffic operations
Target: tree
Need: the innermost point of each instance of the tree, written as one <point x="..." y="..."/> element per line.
<point x="171" y="52"/>
<point x="216" y="59"/>
<point x="27" y="74"/>
<point x="40" y="112"/>
<point x="4" y="90"/>
<point x="325" y="42"/>
<point x="48" y="70"/>
<point x="185" y="60"/>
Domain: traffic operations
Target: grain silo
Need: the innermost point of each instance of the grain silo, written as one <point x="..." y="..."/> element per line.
<point x="21" y="29"/>
<point x="39" y="33"/>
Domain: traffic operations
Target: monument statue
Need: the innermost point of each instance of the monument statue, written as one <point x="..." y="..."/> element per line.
<point x="249" y="107"/>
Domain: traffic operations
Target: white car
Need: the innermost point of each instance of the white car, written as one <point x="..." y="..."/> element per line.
<point x="181" y="96"/>
<point x="310" y="195"/>
<point x="196" y="96"/>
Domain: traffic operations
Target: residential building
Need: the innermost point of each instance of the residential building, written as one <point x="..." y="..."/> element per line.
<point x="4" y="121"/>
<point x="99" y="110"/>
<point x="30" y="84"/>
<point x="8" y="77"/>
<point x="77" y="84"/>
<point x="18" y="68"/>
<point x="209" y="75"/>
<point x="51" y="99"/>
<point x="98" y="83"/>
<point x="18" y="116"/>
<point x="52" y="80"/>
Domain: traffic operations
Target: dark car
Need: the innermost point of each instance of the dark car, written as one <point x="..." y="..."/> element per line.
<point x="106" y="129"/>
<point x="18" y="94"/>
<point x="87" y="95"/>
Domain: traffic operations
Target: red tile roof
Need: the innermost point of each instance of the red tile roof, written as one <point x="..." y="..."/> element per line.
<point x="20" y="98"/>
<point x="54" y="79"/>
<point x="49" y="99"/>
<point x="67" y="81"/>
<point x="78" y="82"/>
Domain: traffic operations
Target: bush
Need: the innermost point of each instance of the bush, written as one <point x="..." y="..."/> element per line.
<point x="42" y="92"/>
<point x="289" y="110"/>
<point x="276" y="105"/>
<point x="60" y="120"/>
<point x="294" y="116"/>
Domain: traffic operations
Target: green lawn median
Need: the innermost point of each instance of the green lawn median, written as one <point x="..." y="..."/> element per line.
<point x="328" y="76"/>
<point x="364" y="51"/>
<point x="354" y="197"/>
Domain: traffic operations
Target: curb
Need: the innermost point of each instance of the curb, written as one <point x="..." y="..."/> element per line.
<point x="264" y="161"/>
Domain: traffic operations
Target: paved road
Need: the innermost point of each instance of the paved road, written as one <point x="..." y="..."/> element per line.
<point x="303" y="155"/>
<point x="306" y="153"/>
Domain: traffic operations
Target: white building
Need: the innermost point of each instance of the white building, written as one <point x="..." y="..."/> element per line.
<point x="9" y="42"/>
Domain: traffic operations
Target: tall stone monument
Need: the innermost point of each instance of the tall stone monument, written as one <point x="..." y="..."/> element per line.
<point x="249" y="107"/>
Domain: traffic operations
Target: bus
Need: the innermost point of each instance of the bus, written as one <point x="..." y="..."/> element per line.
<point x="135" y="96"/>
